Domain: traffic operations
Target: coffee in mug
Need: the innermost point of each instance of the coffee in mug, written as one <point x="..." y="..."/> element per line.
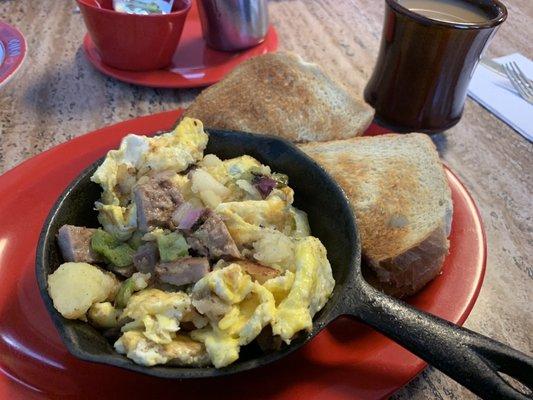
<point x="429" y="50"/>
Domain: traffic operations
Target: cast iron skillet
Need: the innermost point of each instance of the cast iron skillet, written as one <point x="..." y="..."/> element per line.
<point x="471" y="359"/>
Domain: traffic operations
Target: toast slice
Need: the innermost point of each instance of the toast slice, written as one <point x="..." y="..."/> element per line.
<point x="280" y="94"/>
<point x="402" y="201"/>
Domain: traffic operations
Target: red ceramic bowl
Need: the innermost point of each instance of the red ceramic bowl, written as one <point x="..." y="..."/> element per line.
<point x="134" y="42"/>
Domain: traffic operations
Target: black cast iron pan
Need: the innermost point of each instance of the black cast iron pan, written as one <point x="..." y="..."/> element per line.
<point x="471" y="359"/>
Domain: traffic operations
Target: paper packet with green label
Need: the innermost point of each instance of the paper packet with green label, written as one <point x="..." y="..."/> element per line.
<point x="143" y="7"/>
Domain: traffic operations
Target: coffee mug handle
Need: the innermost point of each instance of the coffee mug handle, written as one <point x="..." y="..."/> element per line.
<point x="471" y="359"/>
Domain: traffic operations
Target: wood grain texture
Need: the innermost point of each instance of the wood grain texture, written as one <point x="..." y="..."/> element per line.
<point x="58" y="96"/>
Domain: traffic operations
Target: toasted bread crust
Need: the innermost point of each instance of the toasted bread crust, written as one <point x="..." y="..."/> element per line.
<point x="280" y="94"/>
<point x="409" y="272"/>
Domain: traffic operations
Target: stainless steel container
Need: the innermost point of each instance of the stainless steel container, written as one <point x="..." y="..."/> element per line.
<point x="230" y="25"/>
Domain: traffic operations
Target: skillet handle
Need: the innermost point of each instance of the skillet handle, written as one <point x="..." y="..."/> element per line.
<point x="471" y="359"/>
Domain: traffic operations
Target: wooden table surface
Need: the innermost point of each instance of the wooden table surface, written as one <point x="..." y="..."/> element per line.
<point x="58" y="96"/>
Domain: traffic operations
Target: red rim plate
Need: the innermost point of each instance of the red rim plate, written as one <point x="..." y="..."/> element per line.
<point x="13" y="46"/>
<point x="346" y="361"/>
<point x="194" y="64"/>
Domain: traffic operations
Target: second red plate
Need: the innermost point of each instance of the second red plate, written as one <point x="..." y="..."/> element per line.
<point x="12" y="52"/>
<point x="194" y="64"/>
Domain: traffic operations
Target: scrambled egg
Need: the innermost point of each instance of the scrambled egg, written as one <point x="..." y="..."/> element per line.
<point x="269" y="226"/>
<point x="246" y="219"/>
<point x="236" y="173"/>
<point x="228" y="172"/>
<point x="312" y="286"/>
<point x="252" y="307"/>
<point x="156" y="313"/>
<point x="287" y="302"/>
<point x="226" y="309"/>
<point x="180" y="351"/>
<point x="137" y="155"/>
<point x="176" y="150"/>
<point x="280" y="286"/>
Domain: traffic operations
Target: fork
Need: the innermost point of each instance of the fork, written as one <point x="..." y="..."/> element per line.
<point x="519" y="80"/>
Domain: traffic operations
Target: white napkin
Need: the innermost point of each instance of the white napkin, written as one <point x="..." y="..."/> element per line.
<point x="497" y="94"/>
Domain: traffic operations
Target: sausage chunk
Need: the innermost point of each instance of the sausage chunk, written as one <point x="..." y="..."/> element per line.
<point x="156" y="199"/>
<point x="213" y="239"/>
<point x="183" y="271"/>
<point x="75" y="244"/>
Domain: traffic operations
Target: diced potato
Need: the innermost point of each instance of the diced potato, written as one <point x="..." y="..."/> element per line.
<point x="202" y="181"/>
<point x="75" y="287"/>
<point x="211" y="161"/>
<point x="210" y="198"/>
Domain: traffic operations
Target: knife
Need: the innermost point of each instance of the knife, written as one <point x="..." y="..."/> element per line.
<point x="493" y="66"/>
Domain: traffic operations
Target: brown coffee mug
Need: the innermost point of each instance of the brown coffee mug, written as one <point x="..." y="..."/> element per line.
<point x="424" y="66"/>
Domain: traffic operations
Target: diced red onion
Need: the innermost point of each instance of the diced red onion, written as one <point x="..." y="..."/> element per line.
<point x="186" y="215"/>
<point x="264" y="184"/>
<point x="191" y="218"/>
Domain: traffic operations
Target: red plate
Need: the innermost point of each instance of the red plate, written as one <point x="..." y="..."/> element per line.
<point x="346" y="361"/>
<point x="12" y="52"/>
<point x="194" y="64"/>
